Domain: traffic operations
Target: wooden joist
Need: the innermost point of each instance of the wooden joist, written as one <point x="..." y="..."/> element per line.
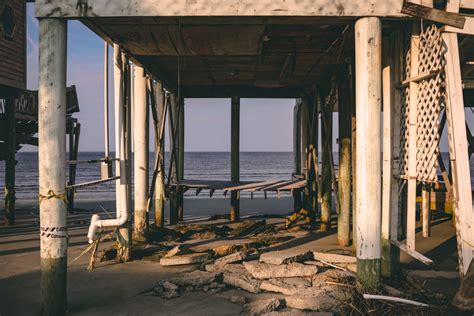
<point x="435" y="15"/>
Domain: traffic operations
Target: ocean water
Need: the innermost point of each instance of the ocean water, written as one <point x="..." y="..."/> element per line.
<point x="254" y="166"/>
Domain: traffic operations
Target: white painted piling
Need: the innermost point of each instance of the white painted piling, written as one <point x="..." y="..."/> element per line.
<point x="52" y="164"/>
<point x="368" y="53"/>
<point x="140" y="144"/>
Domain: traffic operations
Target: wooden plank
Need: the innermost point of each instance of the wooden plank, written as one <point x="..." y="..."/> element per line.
<point x="467" y="4"/>
<point x="458" y="154"/>
<point x="415" y="254"/>
<point x="425" y="210"/>
<point x="432" y="14"/>
<point x="145" y="8"/>
<point x="468" y="27"/>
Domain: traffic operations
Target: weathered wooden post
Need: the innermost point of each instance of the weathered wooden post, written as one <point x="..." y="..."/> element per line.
<point x="52" y="164"/>
<point x="121" y="147"/>
<point x="304" y="123"/>
<point x="368" y="53"/>
<point x="326" y="174"/>
<point x="391" y="76"/>
<point x="140" y="141"/>
<point x="296" y="154"/>
<point x="10" y="147"/>
<point x="181" y="157"/>
<point x="173" y="195"/>
<point x="345" y="107"/>
<point x="312" y="202"/>
<point x="160" y="148"/>
<point x="234" y="157"/>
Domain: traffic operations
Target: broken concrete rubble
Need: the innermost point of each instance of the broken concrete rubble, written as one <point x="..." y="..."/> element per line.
<point x="297" y="312"/>
<point x="194" y="278"/>
<point x="263" y="271"/>
<point x="237" y="276"/>
<point x="232" y="258"/>
<point x="178" y="250"/>
<point x="192" y="258"/>
<point x="334" y="258"/>
<point x="326" y="299"/>
<point x="286" y="256"/>
<point x="290" y="286"/>
<point x="260" y="307"/>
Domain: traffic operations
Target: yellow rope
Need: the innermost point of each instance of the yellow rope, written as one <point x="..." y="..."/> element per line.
<point x="52" y="195"/>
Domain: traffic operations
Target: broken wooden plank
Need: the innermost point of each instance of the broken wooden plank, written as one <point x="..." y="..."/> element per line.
<point x="435" y="15"/>
<point x="415" y="254"/>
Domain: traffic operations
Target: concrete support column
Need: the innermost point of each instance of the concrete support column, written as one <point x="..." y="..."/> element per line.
<point x="368" y="53"/>
<point x="160" y="150"/>
<point x="140" y="142"/>
<point x="173" y="122"/>
<point x="234" y="157"/>
<point x="345" y="122"/>
<point x="326" y="174"/>
<point x="52" y="164"/>
<point x="10" y="148"/>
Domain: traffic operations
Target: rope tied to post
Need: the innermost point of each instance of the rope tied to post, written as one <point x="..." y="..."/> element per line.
<point x="52" y="195"/>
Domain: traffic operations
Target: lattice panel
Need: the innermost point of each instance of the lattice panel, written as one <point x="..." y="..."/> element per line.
<point x="431" y="99"/>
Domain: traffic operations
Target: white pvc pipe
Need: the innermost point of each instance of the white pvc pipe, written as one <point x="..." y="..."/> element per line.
<point x="120" y="147"/>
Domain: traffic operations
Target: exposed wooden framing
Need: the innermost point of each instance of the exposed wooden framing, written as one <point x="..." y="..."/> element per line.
<point x="466" y="4"/>
<point x="415" y="254"/>
<point x="52" y="165"/>
<point x="74" y="134"/>
<point x="412" y="121"/>
<point x="457" y="138"/>
<point x="10" y="146"/>
<point x="391" y="212"/>
<point x="368" y="70"/>
<point x="345" y="115"/>
<point x="467" y="29"/>
<point x="141" y="149"/>
<point x="326" y="172"/>
<point x="432" y="14"/>
<point x="234" y="157"/>
<point x="130" y="8"/>
<point x="354" y="174"/>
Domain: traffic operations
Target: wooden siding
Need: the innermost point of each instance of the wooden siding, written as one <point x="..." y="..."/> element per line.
<point x="13" y="51"/>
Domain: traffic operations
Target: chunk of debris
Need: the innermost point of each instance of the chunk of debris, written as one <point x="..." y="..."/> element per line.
<point x="232" y="258"/>
<point x="177" y="251"/>
<point x="165" y="289"/>
<point x="297" y="312"/>
<point x="263" y="271"/>
<point x="260" y="307"/>
<point x="195" y="278"/>
<point x="326" y="299"/>
<point x="168" y="286"/>
<point x="237" y="299"/>
<point x="248" y="227"/>
<point x="334" y="258"/>
<point x="237" y="276"/>
<point x="191" y="258"/>
<point x="286" y="256"/>
<point x="464" y="299"/>
<point x="289" y="286"/>
<point x="333" y="275"/>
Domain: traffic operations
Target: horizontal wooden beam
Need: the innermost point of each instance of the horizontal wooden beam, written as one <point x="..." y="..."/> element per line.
<point x="183" y="8"/>
<point x="435" y="15"/>
<point x="467" y="29"/>
<point x="219" y="91"/>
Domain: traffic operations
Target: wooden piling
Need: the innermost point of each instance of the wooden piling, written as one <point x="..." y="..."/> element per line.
<point x="326" y="174"/>
<point x="368" y="53"/>
<point x="392" y="99"/>
<point x="181" y="158"/>
<point x="296" y="154"/>
<point x="345" y="106"/>
<point x="312" y="156"/>
<point x="304" y="125"/>
<point x="235" y="157"/>
<point x="160" y="148"/>
<point x="52" y="164"/>
<point x="10" y="147"/>
<point x="173" y="195"/>
<point x="140" y="142"/>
